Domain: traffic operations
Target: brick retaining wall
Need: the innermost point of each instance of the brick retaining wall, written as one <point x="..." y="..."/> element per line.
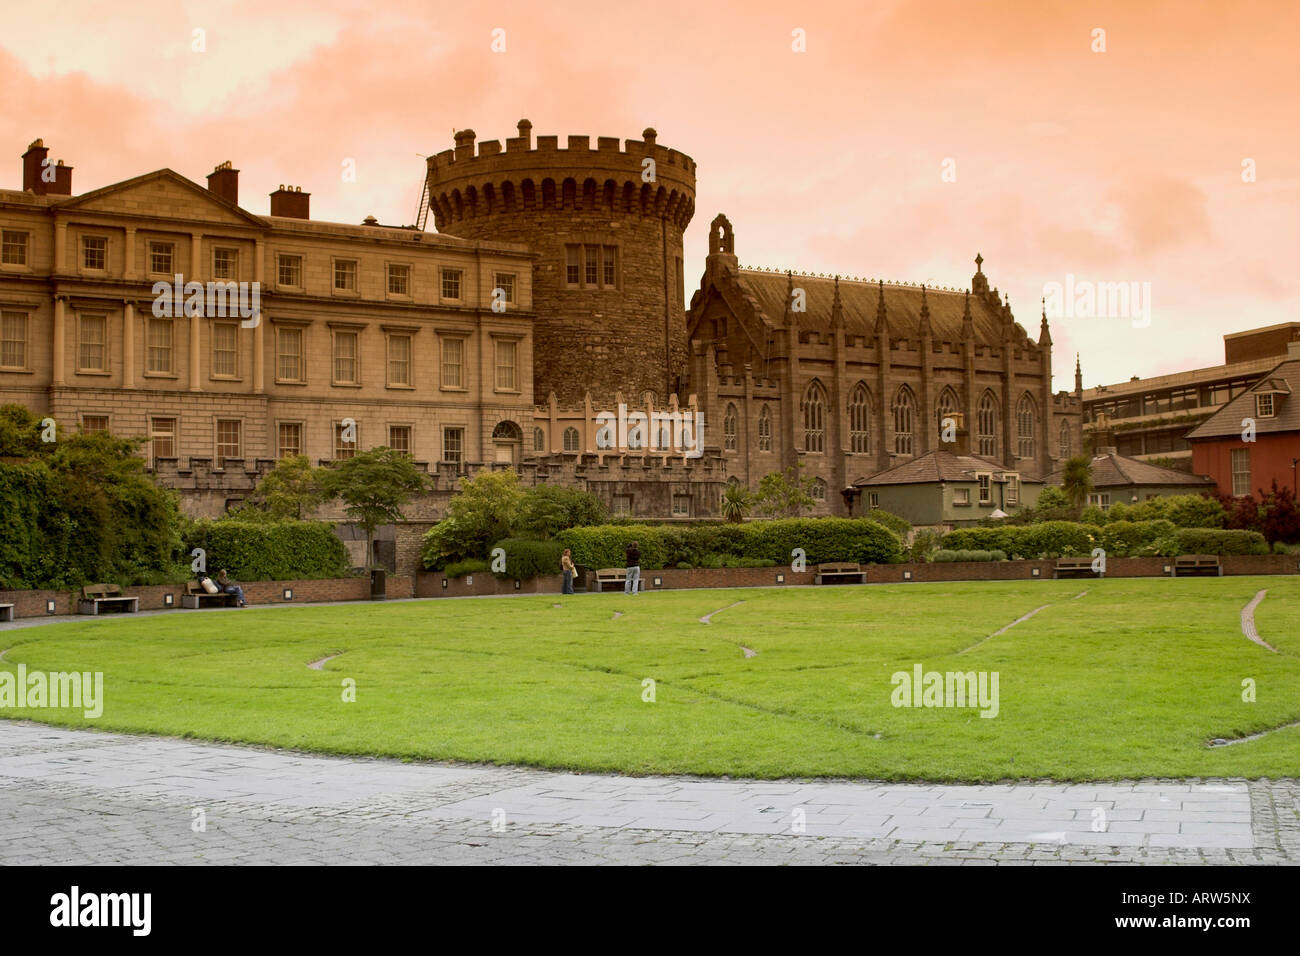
<point x="430" y="584"/>
<point x="154" y="597"/>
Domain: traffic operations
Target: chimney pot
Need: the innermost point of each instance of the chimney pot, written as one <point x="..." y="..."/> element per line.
<point x="224" y="181"/>
<point x="291" y="203"/>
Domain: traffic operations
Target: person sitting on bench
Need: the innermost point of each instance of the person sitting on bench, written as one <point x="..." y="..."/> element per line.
<point x="230" y="587"/>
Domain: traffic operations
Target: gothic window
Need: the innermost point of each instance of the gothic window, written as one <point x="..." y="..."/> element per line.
<point x="946" y="407"/>
<point x="1026" y="416"/>
<point x="539" y="440"/>
<point x="986" y="432"/>
<point x="765" y="430"/>
<point x="860" y="420"/>
<point x="571" y="439"/>
<point x="1065" y="439"/>
<point x="904" y="414"/>
<point x="814" y="418"/>
<point x="818" y="490"/>
<point x="729" y="429"/>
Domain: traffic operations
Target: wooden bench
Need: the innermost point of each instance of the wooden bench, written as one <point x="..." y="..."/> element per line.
<point x="613" y="576"/>
<point x="839" y="574"/>
<point x="195" y="597"/>
<point x="102" y="598"/>
<point x="6" y="612"/>
<point x="1192" y="564"/>
<point x="1078" y="566"/>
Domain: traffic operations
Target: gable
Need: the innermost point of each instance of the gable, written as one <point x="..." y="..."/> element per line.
<point x="165" y="195"/>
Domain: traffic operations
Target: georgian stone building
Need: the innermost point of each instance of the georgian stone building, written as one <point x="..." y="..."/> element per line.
<point x="368" y="335"/>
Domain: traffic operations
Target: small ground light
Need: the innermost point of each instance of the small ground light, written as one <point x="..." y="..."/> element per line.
<point x="1166" y="569"/>
<point x="1036" y="572"/>
<point x="659" y="582"/>
<point x="469" y="580"/>
<point x="49" y="607"/>
<point x="288" y="594"/>
<point x="907" y="575"/>
<point x="780" y="579"/>
<point x="168" y="600"/>
<point x="516" y="584"/>
<point x="444" y="582"/>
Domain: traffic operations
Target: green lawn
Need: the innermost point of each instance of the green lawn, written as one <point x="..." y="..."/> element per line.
<point x="1130" y="680"/>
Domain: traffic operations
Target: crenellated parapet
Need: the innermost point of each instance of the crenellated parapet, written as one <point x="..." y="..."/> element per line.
<point x="474" y="181"/>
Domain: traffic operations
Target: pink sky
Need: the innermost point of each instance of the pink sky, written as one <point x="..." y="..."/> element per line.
<point x="1124" y="165"/>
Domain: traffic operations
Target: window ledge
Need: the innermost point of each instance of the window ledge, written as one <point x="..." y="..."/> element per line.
<point x="5" y="370"/>
<point x="401" y="388"/>
<point x="86" y="371"/>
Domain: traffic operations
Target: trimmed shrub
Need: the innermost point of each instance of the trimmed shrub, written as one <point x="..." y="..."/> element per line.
<point x="1053" y="539"/>
<point x="269" y="550"/>
<point x="458" y="569"/>
<point x="893" y="522"/>
<point x="924" y="542"/>
<point x="949" y="555"/>
<point x="1131" y="539"/>
<point x="1216" y="541"/>
<point x="526" y="558"/>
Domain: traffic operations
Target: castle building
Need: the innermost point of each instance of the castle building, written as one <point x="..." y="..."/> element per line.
<point x="551" y="297"/>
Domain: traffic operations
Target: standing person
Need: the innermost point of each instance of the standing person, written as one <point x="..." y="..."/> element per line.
<point x="633" y="581"/>
<point x="230" y="587"/>
<point x="566" y="565"/>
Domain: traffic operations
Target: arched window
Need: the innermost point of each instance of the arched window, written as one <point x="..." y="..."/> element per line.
<point x="729" y="429"/>
<point x="1065" y="439"/>
<point x="539" y="440"/>
<point x="571" y="439"/>
<point x="507" y="431"/>
<point x="818" y="490"/>
<point x="904" y="414"/>
<point x="986" y="430"/>
<point x="765" y="430"/>
<point x="946" y="407"/>
<point x="860" y="419"/>
<point x="1026" y="417"/>
<point x="814" y="418"/>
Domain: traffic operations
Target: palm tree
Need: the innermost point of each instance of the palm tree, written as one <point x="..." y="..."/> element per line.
<point x="735" y="503"/>
<point x="1076" y="481"/>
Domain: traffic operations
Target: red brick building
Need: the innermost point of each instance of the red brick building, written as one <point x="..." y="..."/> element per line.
<point x="1254" y="440"/>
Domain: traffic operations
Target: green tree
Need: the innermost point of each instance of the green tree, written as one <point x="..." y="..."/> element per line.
<point x="292" y="489"/>
<point x="736" y="502"/>
<point x="546" y="510"/>
<point x="1076" y="481"/>
<point x="486" y="510"/>
<point x="374" y="486"/>
<point x="785" y="494"/>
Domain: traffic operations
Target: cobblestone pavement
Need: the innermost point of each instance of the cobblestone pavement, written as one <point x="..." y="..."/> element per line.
<point x="82" y="797"/>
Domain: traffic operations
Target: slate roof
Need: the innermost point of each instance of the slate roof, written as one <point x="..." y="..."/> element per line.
<point x="858" y="300"/>
<point x="939" y="466"/>
<point x="1284" y="381"/>
<point x="1110" y="470"/>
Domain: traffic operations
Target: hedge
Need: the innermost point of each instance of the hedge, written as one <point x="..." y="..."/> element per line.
<point x="1215" y="541"/>
<point x="1054" y="539"/>
<point x="945" y="556"/>
<point x="269" y="550"/>
<point x="458" y="569"/>
<point x="822" y="540"/>
<point x="1134" y="539"/>
<point x="526" y="558"/>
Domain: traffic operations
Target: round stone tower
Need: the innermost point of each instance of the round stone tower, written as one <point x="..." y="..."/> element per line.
<point x="606" y="223"/>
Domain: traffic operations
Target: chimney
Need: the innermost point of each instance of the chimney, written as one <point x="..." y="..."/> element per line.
<point x="41" y="179"/>
<point x="960" y="445"/>
<point x="224" y="181"/>
<point x="291" y="202"/>
<point x="1103" y="436"/>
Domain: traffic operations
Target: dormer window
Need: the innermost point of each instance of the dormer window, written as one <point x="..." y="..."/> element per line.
<point x="1264" y="405"/>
